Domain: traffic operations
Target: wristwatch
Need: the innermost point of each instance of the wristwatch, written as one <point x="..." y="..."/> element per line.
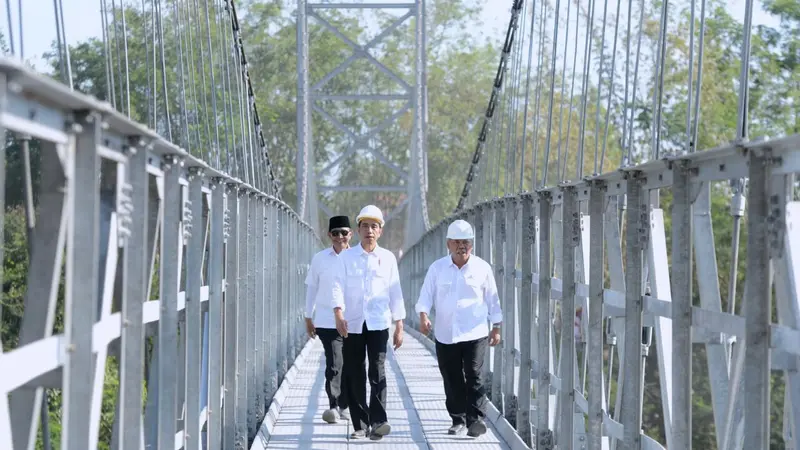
<point x="497" y="325"/>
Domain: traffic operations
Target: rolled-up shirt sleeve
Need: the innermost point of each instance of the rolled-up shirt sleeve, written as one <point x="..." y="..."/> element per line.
<point x="396" y="302"/>
<point x="337" y="285"/>
<point x="492" y="299"/>
<point x="426" y="293"/>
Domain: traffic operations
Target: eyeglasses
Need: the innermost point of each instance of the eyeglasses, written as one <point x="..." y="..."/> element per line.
<point x="340" y="233"/>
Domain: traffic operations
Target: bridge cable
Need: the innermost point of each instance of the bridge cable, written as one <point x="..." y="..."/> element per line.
<point x="498" y="82"/>
<point x="610" y="86"/>
<point x="251" y="98"/>
<point x="539" y="76"/>
<point x="527" y="98"/>
<point x="563" y="169"/>
<point x="564" y="87"/>
<point x="553" y="62"/>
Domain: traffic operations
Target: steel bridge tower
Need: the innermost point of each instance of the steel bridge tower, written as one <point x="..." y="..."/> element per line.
<point x="413" y="179"/>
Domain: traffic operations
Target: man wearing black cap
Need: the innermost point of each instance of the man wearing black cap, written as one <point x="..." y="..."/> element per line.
<point x="319" y="316"/>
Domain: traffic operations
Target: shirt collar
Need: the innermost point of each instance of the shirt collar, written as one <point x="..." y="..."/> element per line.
<point x="364" y="252"/>
<point x="453" y="265"/>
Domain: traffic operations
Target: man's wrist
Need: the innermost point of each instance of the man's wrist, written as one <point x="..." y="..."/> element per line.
<point x="497" y="326"/>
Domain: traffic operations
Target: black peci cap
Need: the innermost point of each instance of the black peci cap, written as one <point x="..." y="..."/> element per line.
<point x="338" y="222"/>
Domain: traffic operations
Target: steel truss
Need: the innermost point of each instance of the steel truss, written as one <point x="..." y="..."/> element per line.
<point x="117" y="202"/>
<point x="646" y="294"/>
<point x="415" y="96"/>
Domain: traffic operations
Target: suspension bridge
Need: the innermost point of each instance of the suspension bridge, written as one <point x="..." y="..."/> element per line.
<point x="153" y="270"/>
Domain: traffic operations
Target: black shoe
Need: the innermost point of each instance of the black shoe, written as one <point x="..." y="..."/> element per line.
<point x="358" y="434"/>
<point x="456" y="428"/>
<point x="476" y="429"/>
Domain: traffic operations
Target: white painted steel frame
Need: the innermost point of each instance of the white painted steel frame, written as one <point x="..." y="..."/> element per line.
<point x="628" y="308"/>
<point x="166" y="208"/>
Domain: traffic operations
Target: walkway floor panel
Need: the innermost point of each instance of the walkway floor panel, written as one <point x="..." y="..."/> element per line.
<point x="415" y="406"/>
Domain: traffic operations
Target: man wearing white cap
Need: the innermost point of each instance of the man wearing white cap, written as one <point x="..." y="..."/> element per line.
<point x="462" y="289"/>
<point x="366" y="300"/>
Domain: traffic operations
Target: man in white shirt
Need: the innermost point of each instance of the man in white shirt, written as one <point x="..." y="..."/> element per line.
<point x="462" y="289"/>
<point x="319" y="316"/>
<point x="366" y="300"/>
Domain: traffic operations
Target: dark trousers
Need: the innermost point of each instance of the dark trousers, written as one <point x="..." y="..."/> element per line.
<point x="460" y="365"/>
<point x="335" y="386"/>
<point x="372" y="345"/>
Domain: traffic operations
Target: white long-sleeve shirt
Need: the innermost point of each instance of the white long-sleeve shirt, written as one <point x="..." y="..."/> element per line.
<point x="367" y="288"/>
<point x="318" y="288"/>
<point x="465" y="299"/>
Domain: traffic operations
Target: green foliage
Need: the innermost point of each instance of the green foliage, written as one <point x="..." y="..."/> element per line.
<point x="15" y="272"/>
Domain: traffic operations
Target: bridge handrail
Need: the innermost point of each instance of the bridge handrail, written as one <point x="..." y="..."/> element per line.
<point x="513" y="231"/>
<point x="262" y="308"/>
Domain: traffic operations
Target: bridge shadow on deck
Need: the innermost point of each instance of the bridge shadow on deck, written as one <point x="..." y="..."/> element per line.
<point x="415" y="406"/>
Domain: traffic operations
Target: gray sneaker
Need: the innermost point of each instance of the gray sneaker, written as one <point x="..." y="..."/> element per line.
<point x="381" y="429"/>
<point x="358" y="434"/>
<point x="330" y="416"/>
<point x="344" y="414"/>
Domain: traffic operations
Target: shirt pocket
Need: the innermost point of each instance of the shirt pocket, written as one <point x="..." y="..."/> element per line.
<point x="354" y="280"/>
<point x="443" y="290"/>
<point x="471" y="300"/>
<point x="381" y="281"/>
<point x="473" y="287"/>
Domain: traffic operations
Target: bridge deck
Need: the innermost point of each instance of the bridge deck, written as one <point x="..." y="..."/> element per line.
<point x="415" y="407"/>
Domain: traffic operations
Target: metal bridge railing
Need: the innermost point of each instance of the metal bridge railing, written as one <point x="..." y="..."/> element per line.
<point x="188" y="279"/>
<point x="572" y="246"/>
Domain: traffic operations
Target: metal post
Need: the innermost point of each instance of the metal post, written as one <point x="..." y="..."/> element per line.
<point x="417" y="213"/>
<point x="304" y="147"/>
<point x="682" y="307"/>
<point x="231" y="293"/>
<point x="194" y="228"/>
<point x="571" y="237"/>
<point x="241" y="323"/>
<point x="594" y="346"/>
<point x="526" y="320"/>
<point x="544" y="435"/>
<point x="635" y="240"/>
<point x="81" y="283"/>
<point x="169" y="264"/>
<point x="758" y="304"/>
<point x="215" y="330"/>
<point x="510" y="310"/>
<point x="252" y="330"/>
<point x="499" y="241"/>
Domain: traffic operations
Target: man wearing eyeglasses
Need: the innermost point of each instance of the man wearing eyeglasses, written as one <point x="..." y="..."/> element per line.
<point x="366" y="300"/>
<point x="462" y="290"/>
<point x="319" y="316"/>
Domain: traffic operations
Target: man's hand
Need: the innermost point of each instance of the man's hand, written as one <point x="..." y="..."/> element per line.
<point x="341" y="324"/>
<point x="398" y="334"/>
<point x="494" y="337"/>
<point x="310" y="329"/>
<point x="424" y="324"/>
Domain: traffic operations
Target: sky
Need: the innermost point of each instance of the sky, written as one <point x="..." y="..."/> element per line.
<point x="82" y="18"/>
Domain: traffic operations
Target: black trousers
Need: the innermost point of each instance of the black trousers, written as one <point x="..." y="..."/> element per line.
<point x="460" y="365"/>
<point x="372" y="345"/>
<point x="335" y="386"/>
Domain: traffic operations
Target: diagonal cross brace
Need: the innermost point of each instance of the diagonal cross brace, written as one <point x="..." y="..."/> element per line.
<point x="361" y="51"/>
<point x="361" y="139"/>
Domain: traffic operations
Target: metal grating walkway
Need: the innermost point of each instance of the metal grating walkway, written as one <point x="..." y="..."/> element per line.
<point x="415" y="407"/>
